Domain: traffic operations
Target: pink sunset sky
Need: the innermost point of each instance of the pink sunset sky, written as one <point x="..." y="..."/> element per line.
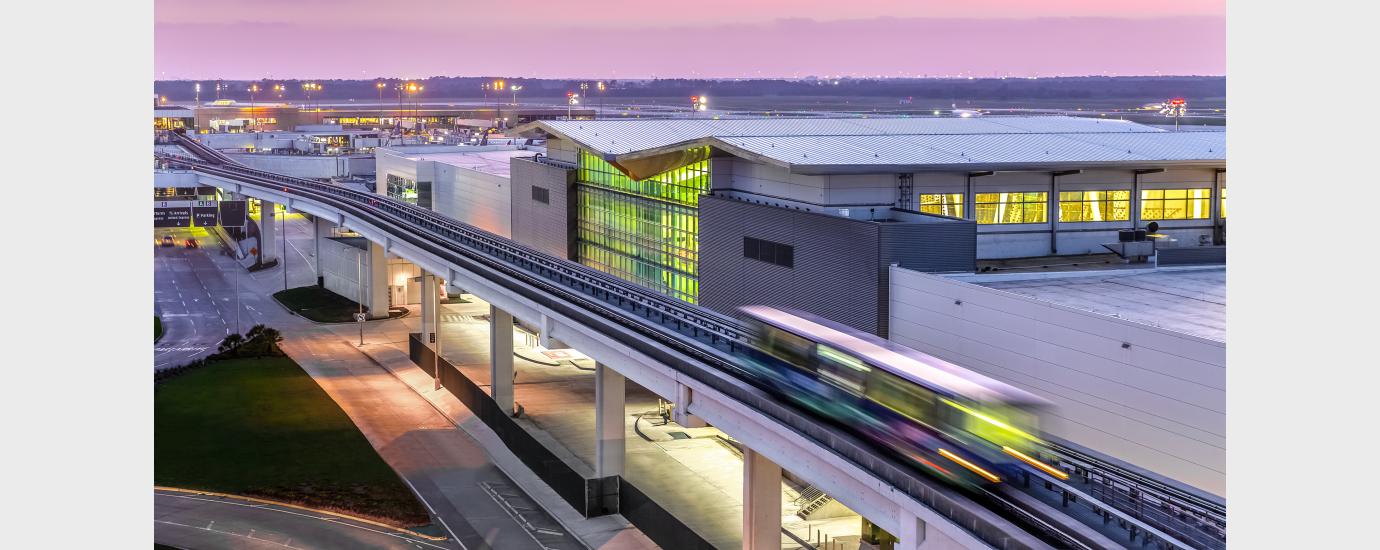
<point x="241" y="39"/>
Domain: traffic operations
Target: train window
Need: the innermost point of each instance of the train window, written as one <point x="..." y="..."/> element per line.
<point x="902" y="396"/>
<point x="844" y="370"/>
<point x="788" y="347"/>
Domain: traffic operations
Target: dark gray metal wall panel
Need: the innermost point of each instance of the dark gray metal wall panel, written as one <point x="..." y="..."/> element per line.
<point x="546" y="227"/>
<point x="930" y="247"/>
<point x="836" y="259"/>
<point x="1192" y="255"/>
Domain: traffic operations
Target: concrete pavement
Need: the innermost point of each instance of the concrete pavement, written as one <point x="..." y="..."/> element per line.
<point x="445" y="466"/>
<point x="207" y="522"/>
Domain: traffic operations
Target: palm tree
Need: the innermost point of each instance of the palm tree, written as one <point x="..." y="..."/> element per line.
<point x="230" y="342"/>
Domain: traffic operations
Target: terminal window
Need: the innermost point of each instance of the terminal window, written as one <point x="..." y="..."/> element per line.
<point x="1222" y="207"/>
<point x="645" y="231"/>
<point x="1003" y="208"/>
<point x="402" y="188"/>
<point x="1175" y="204"/>
<point x="1094" y="206"/>
<point x="942" y="204"/>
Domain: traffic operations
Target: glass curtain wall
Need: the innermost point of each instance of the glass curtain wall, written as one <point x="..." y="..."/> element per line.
<point x="646" y="231"/>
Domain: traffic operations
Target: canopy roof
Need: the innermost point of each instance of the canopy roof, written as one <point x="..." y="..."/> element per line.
<point x="871" y="145"/>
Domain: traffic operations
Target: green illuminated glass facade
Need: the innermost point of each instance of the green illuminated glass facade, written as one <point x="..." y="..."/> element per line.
<point x="644" y="231"/>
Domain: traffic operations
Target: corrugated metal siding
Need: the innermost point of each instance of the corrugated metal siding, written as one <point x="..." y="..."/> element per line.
<point x="835" y="274"/>
<point x="946" y="246"/>
<point x="546" y="227"/>
<point x="1192" y="255"/>
<point x="907" y="141"/>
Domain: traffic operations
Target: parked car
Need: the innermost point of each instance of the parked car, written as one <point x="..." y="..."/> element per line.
<point x="191" y="243"/>
<point x="168" y="241"/>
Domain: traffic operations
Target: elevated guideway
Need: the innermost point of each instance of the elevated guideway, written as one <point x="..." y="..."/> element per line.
<point x="679" y="349"/>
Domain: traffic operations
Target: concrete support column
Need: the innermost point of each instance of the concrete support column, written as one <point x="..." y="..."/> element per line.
<point x="501" y="358"/>
<point x="376" y="262"/>
<point x="429" y="316"/>
<point x="267" y="231"/>
<point x="320" y="226"/>
<point x="969" y="209"/>
<point x="761" y="502"/>
<point x="1135" y="201"/>
<point x="681" y="412"/>
<point x="609" y="423"/>
<point x="1217" y="187"/>
<point x="1052" y="208"/>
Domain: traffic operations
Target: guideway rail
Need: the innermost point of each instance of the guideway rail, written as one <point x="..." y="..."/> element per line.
<point x="675" y="330"/>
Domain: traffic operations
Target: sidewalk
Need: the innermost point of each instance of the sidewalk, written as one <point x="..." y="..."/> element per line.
<point x="385" y="343"/>
<point x="456" y="474"/>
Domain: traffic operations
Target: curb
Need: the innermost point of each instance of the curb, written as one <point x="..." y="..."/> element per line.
<point x="496" y="463"/>
<point x="303" y="508"/>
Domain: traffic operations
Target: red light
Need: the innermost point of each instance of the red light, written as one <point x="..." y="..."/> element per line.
<point x="1177" y="101"/>
<point x="570" y="94"/>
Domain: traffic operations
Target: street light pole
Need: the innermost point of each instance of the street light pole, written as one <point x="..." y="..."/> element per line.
<point x="238" y="307"/>
<point x="359" y="280"/>
<point x="285" y="229"/>
<point x="436" y="366"/>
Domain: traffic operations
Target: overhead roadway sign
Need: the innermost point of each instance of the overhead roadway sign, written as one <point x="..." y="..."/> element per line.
<point x="178" y="216"/>
<point x="205" y="216"/>
<point x="232" y="213"/>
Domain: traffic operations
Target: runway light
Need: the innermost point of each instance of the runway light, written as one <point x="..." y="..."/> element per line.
<point x="1031" y="461"/>
<point x="989" y="476"/>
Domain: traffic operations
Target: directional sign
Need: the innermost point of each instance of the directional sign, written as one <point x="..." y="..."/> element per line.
<point x="204" y="216"/>
<point x="359" y="317"/>
<point x="232" y="213"/>
<point x="172" y="217"/>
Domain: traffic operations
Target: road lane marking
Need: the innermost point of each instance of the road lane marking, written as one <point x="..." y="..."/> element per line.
<point x="208" y="528"/>
<point x="279" y="509"/>
<point x="433" y="512"/>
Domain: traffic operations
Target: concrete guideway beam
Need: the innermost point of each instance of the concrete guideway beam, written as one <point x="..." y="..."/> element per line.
<point x="854" y="487"/>
<point x="609" y="421"/>
<point x="915" y="534"/>
<point x="501" y="358"/>
<point x="680" y="413"/>
<point x="761" y="502"/>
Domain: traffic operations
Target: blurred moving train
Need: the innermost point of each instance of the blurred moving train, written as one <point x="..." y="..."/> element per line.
<point x="964" y="426"/>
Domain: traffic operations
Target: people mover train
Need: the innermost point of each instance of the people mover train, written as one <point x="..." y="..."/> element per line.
<point x="961" y="425"/>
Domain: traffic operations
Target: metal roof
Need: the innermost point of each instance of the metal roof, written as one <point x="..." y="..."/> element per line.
<point x="841" y="145"/>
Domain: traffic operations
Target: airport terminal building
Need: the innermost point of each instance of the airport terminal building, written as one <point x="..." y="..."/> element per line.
<point x="779" y="210"/>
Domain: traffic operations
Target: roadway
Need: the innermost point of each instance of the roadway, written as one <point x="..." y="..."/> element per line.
<point x="451" y="473"/>
<point x="205" y="522"/>
<point x="191" y="296"/>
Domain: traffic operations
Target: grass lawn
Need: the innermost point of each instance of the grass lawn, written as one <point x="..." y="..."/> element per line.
<point x="319" y="304"/>
<point x="262" y="427"/>
<point x="157" y="328"/>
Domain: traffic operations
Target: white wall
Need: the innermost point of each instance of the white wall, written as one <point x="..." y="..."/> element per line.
<point x="1159" y="404"/>
<point x="340" y="265"/>
<point x="301" y="166"/>
<point x="477" y="198"/>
